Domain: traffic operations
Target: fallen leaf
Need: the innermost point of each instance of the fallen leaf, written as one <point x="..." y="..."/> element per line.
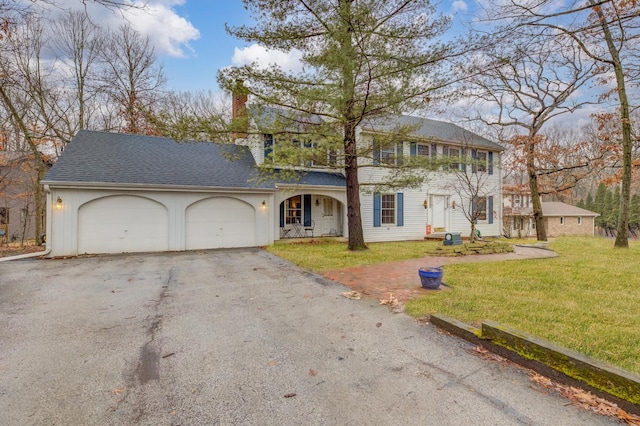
<point x="118" y="391"/>
<point x="586" y="400"/>
<point x="173" y="413"/>
<point x="289" y="395"/>
<point x="378" y="324"/>
<point x="393" y="304"/>
<point x="353" y="295"/>
<point x="312" y="372"/>
<point x="272" y="363"/>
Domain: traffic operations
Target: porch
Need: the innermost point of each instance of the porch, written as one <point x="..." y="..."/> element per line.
<point x="310" y="216"/>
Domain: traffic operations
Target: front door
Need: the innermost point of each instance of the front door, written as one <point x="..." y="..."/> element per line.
<point x="439" y="213"/>
<point x="329" y="224"/>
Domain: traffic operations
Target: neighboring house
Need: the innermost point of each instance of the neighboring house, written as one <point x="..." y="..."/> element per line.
<point x="560" y="219"/>
<point x="111" y="193"/>
<point x="18" y="178"/>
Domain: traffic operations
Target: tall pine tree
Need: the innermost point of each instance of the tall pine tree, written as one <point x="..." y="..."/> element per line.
<point x="362" y="59"/>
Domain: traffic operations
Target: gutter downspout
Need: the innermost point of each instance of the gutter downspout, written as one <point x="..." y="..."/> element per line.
<point x="47" y="190"/>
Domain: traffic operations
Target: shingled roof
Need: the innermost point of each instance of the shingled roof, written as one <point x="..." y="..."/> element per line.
<point x="113" y="158"/>
<point x="428" y="129"/>
<point x="102" y="158"/>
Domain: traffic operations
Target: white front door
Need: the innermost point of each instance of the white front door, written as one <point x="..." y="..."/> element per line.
<point x="328" y="217"/>
<point x="439" y="213"/>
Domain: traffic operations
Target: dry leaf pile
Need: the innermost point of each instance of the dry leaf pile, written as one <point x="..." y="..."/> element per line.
<point x="586" y="400"/>
<point x="393" y="304"/>
<point x="576" y="396"/>
<point x="353" y="295"/>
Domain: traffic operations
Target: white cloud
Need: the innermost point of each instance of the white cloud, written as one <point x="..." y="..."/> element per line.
<point x="288" y="61"/>
<point x="459" y="5"/>
<point x="169" y="32"/>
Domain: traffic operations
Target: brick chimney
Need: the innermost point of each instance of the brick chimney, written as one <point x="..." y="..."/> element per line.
<point x="239" y="119"/>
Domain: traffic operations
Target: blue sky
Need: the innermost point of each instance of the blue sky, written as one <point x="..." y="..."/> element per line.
<point x="199" y="45"/>
<point x="213" y="49"/>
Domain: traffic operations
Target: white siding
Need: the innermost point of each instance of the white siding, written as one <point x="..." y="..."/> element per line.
<point x="416" y="217"/>
<point x="65" y="223"/>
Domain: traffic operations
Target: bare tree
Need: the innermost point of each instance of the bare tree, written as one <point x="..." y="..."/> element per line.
<point x="200" y="116"/>
<point x="607" y="31"/>
<point x="527" y="83"/>
<point x="131" y="77"/>
<point x="77" y="43"/>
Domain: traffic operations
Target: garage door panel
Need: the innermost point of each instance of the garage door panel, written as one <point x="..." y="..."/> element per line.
<point x="220" y="222"/>
<point x="121" y="224"/>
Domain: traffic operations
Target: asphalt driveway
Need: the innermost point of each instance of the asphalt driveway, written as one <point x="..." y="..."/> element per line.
<point x="235" y="337"/>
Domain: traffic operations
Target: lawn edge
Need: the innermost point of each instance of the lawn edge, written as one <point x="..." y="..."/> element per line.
<point x="550" y="360"/>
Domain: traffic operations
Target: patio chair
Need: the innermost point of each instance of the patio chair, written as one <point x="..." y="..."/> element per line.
<point x="309" y="228"/>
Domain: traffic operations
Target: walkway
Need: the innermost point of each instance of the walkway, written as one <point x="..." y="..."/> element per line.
<point x="401" y="278"/>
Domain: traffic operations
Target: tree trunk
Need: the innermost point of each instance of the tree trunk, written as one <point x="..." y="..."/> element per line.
<point x="354" y="219"/>
<point x="37" y="158"/>
<point x="622" y="232"/>
<point x="541" y="232"/>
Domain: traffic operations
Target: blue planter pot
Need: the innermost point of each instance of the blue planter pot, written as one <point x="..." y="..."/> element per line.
<point x="431" y="278"/>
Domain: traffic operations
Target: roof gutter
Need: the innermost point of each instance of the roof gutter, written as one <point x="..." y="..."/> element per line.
<point x="151" y="187"/>
<point x="47" y="250"/>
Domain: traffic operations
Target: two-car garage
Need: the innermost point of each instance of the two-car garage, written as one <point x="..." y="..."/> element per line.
<point x="93" y="222"/>
<point x="118" y="193"/>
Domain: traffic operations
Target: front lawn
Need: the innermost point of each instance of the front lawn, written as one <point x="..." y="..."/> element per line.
<point x="587" y="299"/>
<point x="325" y="254"/>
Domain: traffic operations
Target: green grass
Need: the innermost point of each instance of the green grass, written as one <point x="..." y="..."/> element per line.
<point x="587" y="299"/>
<point x="322" y="255"/>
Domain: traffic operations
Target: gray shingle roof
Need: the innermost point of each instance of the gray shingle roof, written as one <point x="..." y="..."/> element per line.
<point x="431" y="129"/>
<point x="317" y="178"/>
<point x="556" y="208"/>
<point x="112" y="158"/>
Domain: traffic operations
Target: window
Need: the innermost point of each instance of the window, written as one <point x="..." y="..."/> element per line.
<point x="561" y="220"/>
<point x="481" y="208"/>
<point x="454" y="153"/>
<point x="388" y="209"/>
<point x="327" y="207"/>
<point x="4" y="216"/>
<point x="424" y="150"/>
<point x="579" y="220"/>
<point x="516" y="200"/>
<point x="390" y="154"/>
<point x="293" y="210"/>
<point x="482" y="161"/>
<point x="268" y="148"/>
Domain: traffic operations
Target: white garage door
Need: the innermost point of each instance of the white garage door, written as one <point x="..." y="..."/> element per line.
<point x="220" y="222"/>
<point x="122" y="224"/>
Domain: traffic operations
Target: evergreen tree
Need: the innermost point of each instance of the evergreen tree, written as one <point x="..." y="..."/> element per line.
<point x="589" y="204"/>
<point x="599" y="201"/>
<point x="608" y="219"/>
<point x="581" y="203"/>
<point x="362" y="59"/>
<point x="615" y="207"/>
<point x="634" y="217"/>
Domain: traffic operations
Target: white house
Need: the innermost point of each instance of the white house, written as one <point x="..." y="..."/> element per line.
<point x="113" y="193"/>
